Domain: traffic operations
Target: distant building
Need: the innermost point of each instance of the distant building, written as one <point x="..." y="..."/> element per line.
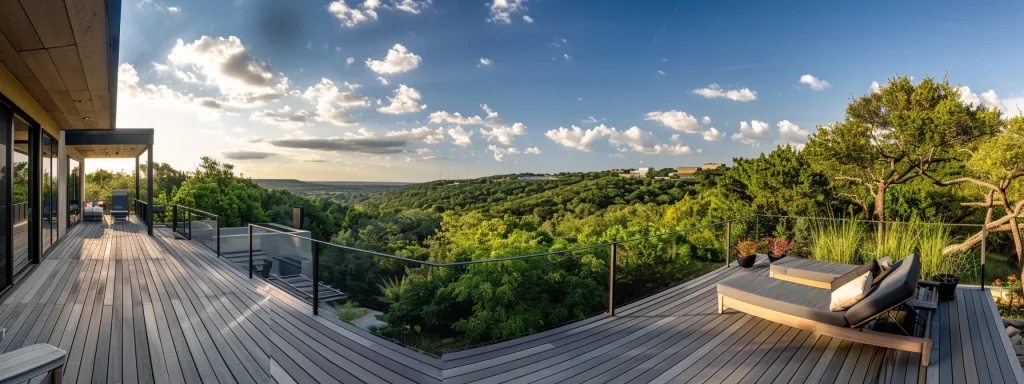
<point x="707" y="166"/>
<point x="686" y="170"/>
<point x="640" y="173"/>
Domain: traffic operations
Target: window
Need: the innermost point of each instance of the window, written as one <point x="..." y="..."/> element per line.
<point x="74" y="192"/>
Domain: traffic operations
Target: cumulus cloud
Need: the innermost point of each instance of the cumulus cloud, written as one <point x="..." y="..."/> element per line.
<point x="227" y="64"/>
<point x="500" y="153"/>
<point x="484" y="62"/>
<point x="677" y="120"/>
<point x="814" y="82"/>
<point x="528" y="19"/>
<point x="128" y="86"/>
<point x="713" y="134"/>
<point x="751" y="133"/>
<point x="715" y="91"/>
<point x="350" y="60"/>
<point x="987" y="99"/>
<point x="398" y="60"/>
<point x="411" y="6"/>
<point x="406" y="100"/>
<point x="460" y="136"/>
<point x="590" y="119"/>
<point x="383" y="81"/>
<point x="246" y="155"/>
<point x="706" y="120"/>
<point x="283" y="117"/>
<point x="534" y="150"/>
<point x="498" y="130"/>
<point x="633" y="139"/>
<point x="502" y="10"/>
<point x="353" y="16"/>
<point x="792" y="135"/>
<point x="332" y="100"/>
<point x="875" y="87"/>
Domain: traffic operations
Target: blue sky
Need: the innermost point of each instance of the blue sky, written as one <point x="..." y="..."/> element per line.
<point x="635" y="79"/>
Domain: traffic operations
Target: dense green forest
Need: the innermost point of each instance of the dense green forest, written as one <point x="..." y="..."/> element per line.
<point x="910" y="153"/>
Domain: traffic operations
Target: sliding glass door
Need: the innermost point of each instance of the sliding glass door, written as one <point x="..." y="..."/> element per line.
<point x="20" y="213"/>
<point x="6" y="123"/>
<point x="48" y="187"/>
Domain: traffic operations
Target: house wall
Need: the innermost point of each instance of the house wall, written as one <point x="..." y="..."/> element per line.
<point x="11" y="88"/>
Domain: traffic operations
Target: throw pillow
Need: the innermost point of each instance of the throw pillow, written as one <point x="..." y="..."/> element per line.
<point x="850" y="293"/>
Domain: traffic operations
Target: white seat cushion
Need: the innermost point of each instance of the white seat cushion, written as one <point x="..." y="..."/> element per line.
<point x="850" y="293"/>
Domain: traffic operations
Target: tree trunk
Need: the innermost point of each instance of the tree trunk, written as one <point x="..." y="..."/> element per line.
<point x="880" y="211"/>
<point x="1015" y="232"/>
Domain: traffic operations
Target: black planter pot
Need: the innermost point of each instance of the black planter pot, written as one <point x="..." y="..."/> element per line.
<point x="747" y="261"/>
<point x="947" y="286"/>
<point x="772" y="258"/>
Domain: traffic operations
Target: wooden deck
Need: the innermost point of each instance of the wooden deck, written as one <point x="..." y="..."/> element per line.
<point x="132" y="308"/>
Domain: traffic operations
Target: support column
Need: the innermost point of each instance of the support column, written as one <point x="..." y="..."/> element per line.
<point x="149" y="187"/>
<point x="136" y="180"/>
<point x="62" y="186"/>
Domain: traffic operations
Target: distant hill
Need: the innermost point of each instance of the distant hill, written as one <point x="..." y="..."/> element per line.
<point x="344" y="191"/>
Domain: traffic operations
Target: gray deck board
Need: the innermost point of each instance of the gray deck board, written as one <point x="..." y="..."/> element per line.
<point x="133" y="308"/>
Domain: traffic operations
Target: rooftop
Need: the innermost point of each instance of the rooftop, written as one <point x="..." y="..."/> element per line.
<point x="130" y="307"/>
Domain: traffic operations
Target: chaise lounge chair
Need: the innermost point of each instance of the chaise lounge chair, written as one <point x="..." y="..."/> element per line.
<point x="805" y="307"/>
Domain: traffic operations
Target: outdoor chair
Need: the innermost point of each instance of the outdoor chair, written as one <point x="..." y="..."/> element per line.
<point x="27" y="363"/>
<point x="119" y="204"/>
<point x="805" y="307"/>
<point x="814" y="273"/>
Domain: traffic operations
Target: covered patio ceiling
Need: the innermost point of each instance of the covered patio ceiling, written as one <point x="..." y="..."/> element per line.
<point x="110" y="144"/>
<point x="65" y="55"/>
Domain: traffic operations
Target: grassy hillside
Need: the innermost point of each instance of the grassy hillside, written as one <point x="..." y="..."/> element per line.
<point x="342" y="191"/>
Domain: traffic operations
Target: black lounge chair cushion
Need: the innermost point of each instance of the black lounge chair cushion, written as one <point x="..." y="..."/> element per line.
<point x="847" y="277"/>
<point x="898" y="286"/>
<point x="782" y="296"/>
<point x="808" y="269"/>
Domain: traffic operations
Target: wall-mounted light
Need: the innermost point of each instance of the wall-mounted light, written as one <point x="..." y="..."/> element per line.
<point x="86" y="118"/>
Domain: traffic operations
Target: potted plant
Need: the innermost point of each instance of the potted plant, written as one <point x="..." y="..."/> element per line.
<point x="947" y="286"/>
<point x="778" y="248"/>
<point x="748" y="253"/>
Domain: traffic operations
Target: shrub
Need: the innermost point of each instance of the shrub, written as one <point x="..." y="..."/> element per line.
<point x="837" y="240"/>
<point x="348" y="313"/>
<point x="747" y="247"/>
<point x="1011" y="305"/>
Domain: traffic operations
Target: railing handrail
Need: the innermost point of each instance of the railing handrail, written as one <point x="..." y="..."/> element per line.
<point x="512" y="258"/>
<point x="196" y="210"/>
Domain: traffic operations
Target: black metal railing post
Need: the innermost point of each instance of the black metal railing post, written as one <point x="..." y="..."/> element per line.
<point x="174" y="218"/>
<point x="728" y="240"/>
<point x="316" y="278"/>
<point x="190" y="225"/>
<point x="250" y="251"/>
<point x="218" y="236"/>
<point x="611" y="282"/>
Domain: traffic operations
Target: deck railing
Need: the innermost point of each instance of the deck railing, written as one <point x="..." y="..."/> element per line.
<point x="198" y="225"/>
<point x="635" y="266"/>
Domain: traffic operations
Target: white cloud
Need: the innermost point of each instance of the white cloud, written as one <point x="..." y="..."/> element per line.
<point x="706" y="120"/>
<point x="382" y="80"/>
<point x="423" y="151"/>
<point x="406" y="100"/>
<point x="460" y="136"/>
<point x="283" y="117"/>
<point x="677" y="120"/>
<point x="502" y="10"/>
<point x="1013" y="106"/>
<point x="128" y="86"/>
<point x="661" y="73"/>
<point x="351" y="17"/>
<point x="590" y="119"/>
<point x="875" y="87"/>
<point x="500" y="153"/>
<point x="713" y="134"/>
<point x="534" y="150"/>
<point x="426" y="134"/>
<point x="227" y="64"/>
<point x="633" y="139"/>
<point x="485" y="62"/>
<point x="792" y="134"/>
<point x="528" y="20"/>
<point x="714" y="91"/>
<point x="350" y="60"/>
<point x="751" y="133"/>
<point x="987" y="99"/>
<point x="412" y="6"/>
<point x="331" y="102"/>
<point x="566" y="57"/>
<point x="814" y="82"/>
<point x="499" y="131"/>
<point x="398" y="60"/>
<point x="174" y="10"/>
<point x="577" y="138"/>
